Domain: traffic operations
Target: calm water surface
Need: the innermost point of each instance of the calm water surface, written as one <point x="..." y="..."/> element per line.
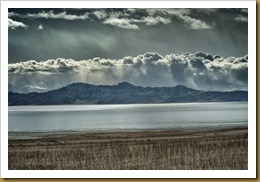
<point x="126" y="117"/>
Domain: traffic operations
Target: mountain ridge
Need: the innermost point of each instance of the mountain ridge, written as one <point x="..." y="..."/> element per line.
<point x="122" y="93"/>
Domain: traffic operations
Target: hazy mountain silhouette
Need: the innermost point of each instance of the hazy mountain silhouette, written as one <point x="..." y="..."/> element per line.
<point x="123" y="93"/>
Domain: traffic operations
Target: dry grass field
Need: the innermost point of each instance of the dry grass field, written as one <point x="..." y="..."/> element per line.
<point x="157" y="150"/>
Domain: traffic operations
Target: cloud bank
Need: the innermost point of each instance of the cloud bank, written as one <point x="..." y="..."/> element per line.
<point x="199" y="71"/>
<point x="241" y="18"/>
<point x="126" y="18"/>
<point x="51" y="15"/>
<point x="15" y="24"/>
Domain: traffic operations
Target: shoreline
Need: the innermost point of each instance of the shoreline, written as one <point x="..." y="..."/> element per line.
<point x="81" y="136"/>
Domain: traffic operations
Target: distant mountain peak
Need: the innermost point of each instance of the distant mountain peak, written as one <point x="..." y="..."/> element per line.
<point x="124" y="84"/>
<point x="180" y="86"/>
<point x="77" y="84"/>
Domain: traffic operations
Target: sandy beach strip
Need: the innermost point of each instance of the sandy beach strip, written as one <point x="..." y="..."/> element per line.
<point x="86" y="136"/>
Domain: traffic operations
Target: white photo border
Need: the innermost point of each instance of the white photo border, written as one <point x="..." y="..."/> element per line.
<point x="250" y="173"/>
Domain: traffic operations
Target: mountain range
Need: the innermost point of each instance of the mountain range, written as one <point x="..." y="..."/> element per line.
<point x="122" y="93"/>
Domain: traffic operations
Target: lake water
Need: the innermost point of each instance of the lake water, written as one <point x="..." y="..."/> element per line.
<point x="126" y="117"/>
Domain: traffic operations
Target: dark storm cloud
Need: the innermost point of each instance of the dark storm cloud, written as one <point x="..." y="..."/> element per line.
<point x="126" y="18"/>
<point x="196" y="70"/>
<point x="45" y="44"/>
<point x="50" y="15"/>
<point x="116" y="33"/>
<point x="121" y="18"/>
<point x="193" y="18"/>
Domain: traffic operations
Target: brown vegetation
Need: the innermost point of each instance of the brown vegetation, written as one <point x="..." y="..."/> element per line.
<point x="226" y="149"/>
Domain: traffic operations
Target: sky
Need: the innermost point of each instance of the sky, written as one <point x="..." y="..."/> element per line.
<point x="199" y="48"/>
